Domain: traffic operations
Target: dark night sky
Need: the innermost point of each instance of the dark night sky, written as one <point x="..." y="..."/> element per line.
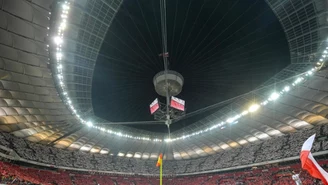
<point x="223" y="48"/>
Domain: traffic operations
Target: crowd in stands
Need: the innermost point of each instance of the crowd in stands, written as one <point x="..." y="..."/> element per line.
<point x="275" y="148"/>
<point x="263" y="175"/>
<point x="11" y="176"/>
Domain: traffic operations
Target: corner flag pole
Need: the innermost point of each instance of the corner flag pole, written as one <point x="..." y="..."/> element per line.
<point x="160" y="165"/>
<point x="161" y="174"/>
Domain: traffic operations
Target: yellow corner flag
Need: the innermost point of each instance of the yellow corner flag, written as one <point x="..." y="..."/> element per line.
<point x="160" y="165"/>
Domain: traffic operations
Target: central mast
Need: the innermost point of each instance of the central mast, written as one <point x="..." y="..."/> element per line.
<point x="165" y="56"/>
<point x="167" y="83"/>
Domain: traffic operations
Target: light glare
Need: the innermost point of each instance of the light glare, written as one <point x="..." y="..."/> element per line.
<point x="254" y="108"/>
<point x="63" y="25"/>
<point x="89" y="124"/>
<point x="58" y="40"/>
<point x="65" y="7"/>
<point x="274" y="96"/>
<point x="59" y="55"/>
<point x="287" y="88"/>
<point x="244" y="113"/>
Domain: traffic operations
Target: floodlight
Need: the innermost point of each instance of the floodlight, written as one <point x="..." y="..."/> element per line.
<point x="65" y="7"/>
<point x="274" y="96"/>
<point x="59" y="55"/>
<point x="89" y="124"/>
<point x="58" y="40"/>
<point x="254" y="108"/>
<point x="287" y="88"/>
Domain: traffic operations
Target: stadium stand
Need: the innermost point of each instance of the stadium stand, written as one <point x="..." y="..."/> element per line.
<point x="265" y="175"/>
<point x="268" y="150"/>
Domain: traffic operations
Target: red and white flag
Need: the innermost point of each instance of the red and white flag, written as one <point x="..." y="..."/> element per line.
<point x="177" y="103"/>
<point x="310" y="164"/>
<point x="154" y="106"/>
<point x="166" y="54"/>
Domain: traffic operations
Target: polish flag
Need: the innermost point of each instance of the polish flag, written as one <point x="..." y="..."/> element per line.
<point x="177" y="103"/>
<point x="154" y="106"/>
<point x="164" y="54"/>
<point x="310" y="164"/>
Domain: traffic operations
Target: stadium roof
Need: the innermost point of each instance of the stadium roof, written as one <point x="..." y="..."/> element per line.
<point x="46" y="86"/>
<point x="222" y="49"/>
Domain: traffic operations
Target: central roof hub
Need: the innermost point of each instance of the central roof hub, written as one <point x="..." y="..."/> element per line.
<point x="174" y="83"/>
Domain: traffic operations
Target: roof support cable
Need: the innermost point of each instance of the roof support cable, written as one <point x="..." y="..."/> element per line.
<point x="164" y="50"/>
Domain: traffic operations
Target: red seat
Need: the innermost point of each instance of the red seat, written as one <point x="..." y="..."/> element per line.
<point x="265" y="176"/>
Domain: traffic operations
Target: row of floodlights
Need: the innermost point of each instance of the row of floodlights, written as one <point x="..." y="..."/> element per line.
<point x="255" y="107"/>
<point x="59" y="40"/>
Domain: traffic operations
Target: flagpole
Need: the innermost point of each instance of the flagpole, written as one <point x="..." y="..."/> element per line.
<point x="161" y="174"/>
<point x="160" y="165"/>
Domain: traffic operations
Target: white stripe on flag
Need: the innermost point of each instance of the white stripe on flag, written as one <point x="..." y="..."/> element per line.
<point x="322" y="171"/>
<point x="308" y="143"/>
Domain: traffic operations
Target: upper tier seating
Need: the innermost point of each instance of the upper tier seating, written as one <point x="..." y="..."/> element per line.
<point x="262" y="151"/>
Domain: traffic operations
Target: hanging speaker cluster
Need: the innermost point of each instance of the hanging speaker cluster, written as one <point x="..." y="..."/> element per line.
<point x="168" y="83"/>
<point x="171" y="82"/>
